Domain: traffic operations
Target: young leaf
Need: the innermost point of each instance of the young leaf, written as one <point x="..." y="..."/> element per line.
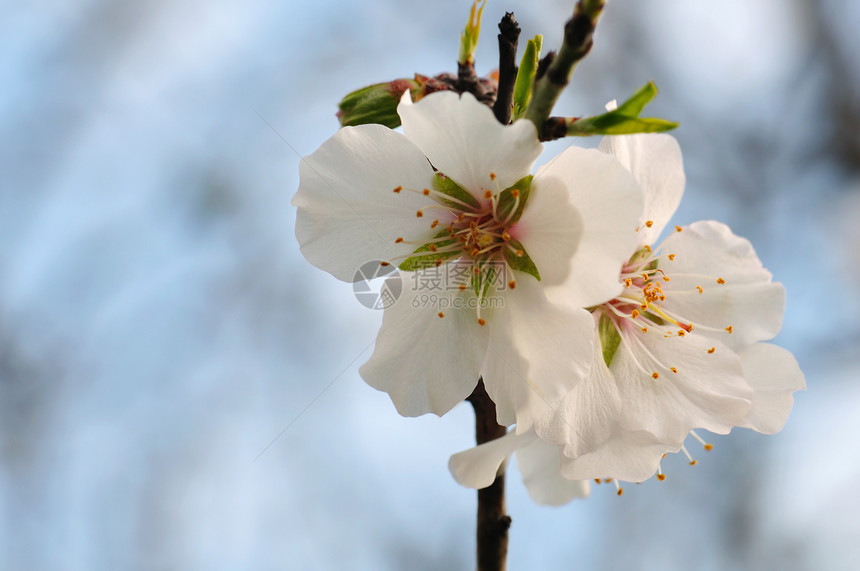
<point x="624" y="120"/>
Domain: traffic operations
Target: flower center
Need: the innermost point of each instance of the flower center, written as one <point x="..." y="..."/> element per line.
<point x="641" y="301"/>
<point x="472" y="233"/>
<point x="641" y="306"/>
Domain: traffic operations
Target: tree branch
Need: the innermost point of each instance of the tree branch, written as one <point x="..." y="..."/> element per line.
<point x="578" y="32"/>
<point x="508" y="38"/>
<point x="493" y="522"/>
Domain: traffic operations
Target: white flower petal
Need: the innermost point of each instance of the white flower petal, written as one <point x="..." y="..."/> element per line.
<point x="464" y="140"/>
<point x="656" y="163"/>
<point x="538" y="351"/>
<point x="708" y="391"/>
<point x="427" y="363"/>
<point x="609" y="203"/>
<point x="774" y="375"/>
<point x="583" y="419"/>
<point x="348" y="213"/>
<point x="539" y="463"/>
<point x="477" y="467"/>
<point x="748" y="301"/>
<point x="632" y="456"/>
<point x="550" y="230"/>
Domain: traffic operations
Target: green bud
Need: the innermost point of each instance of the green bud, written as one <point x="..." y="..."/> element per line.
<point x="526" y="76"/>
<point x="469" y="37"/>
<point x="377" y="103"/>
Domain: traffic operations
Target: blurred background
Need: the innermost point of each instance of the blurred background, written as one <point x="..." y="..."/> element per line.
<point x="179" y="387"/>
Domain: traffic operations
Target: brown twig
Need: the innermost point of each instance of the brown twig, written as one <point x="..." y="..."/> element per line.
<point x="577" y="43"/>
<point x="493" y="522"/>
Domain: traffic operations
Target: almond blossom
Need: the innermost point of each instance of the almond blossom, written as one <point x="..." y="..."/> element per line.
<point x="452" y="203"/>
<point x="680" y="348"/>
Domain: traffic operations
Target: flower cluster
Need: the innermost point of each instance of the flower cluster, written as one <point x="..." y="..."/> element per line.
<point x="602" y="347"/>
<point x="680" y="348"/>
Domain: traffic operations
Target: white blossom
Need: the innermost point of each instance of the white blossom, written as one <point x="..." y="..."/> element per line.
<point x="454" y="191"/>
<point x="680" y="348"/>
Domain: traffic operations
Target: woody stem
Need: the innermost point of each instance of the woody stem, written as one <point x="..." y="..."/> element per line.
<point x="493" y="522"/>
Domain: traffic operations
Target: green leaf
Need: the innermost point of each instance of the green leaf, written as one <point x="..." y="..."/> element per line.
<point x="622" y="121"/>
<point x="526" y="76"/>
<point x="448" y="187"/>
<point x="613" y="124"/>
<point x="507" y="201"/>
<point x="610" y="340"/>
<point x="521" y="263"/>
<point x="637" y="102"/>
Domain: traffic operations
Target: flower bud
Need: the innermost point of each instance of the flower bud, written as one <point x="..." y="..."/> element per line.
<point x="376" y="103"/>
